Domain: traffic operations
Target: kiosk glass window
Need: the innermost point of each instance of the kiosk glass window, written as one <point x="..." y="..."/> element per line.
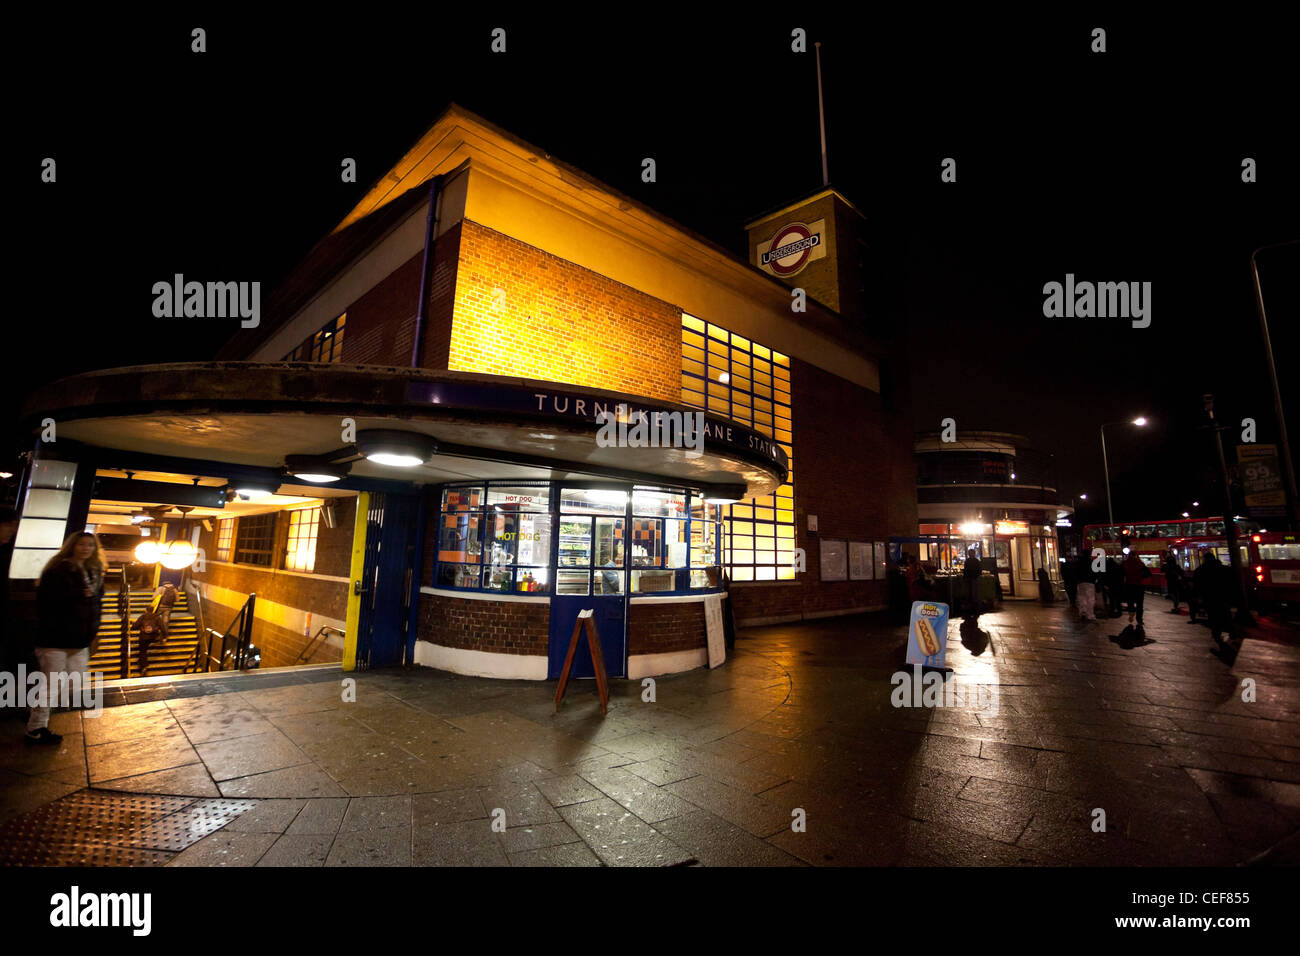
<point x="522" y="537"/>
<point x="517" y="538"/>
<point x="495" y="537"/>
<point x="599" y="501"/>
<point x="460" y="538"/>
<point x="609" y="554"/>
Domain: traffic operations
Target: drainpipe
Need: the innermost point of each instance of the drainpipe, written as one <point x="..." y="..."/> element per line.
<point x="426" y="270"/>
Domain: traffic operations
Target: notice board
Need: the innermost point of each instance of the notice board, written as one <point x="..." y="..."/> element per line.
<point x="860" y="561"/>
<point x="834" y="561"/>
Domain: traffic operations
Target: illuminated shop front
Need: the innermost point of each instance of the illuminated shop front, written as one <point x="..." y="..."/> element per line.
<point x="607" y="540"/>
<point x="992" y="492"/>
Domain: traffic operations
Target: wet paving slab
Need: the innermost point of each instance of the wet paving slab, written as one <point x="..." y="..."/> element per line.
<point x="1069" y="744"/>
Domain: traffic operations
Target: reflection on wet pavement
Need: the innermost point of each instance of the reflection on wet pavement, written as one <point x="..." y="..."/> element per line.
<point x="795" y="752"/>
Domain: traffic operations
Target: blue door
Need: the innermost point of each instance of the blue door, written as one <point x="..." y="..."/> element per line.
<point x="386" y="579"/>
<point x="591" y="573"/>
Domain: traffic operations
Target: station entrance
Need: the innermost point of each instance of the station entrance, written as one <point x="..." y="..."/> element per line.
<point x="202" y="577"/>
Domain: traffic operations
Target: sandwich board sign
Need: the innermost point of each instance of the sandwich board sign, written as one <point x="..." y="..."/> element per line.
<point x="927" y="634"/>
<point x="715" y="630"/>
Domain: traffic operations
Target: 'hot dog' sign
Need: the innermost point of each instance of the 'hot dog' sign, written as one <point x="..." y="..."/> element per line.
<point x="927" y="635"/>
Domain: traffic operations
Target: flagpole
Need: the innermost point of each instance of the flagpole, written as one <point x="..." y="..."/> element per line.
<point x="821" y="115"/>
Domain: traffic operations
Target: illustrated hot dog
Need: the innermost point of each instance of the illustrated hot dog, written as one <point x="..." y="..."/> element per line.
<point x="926" y="637"/>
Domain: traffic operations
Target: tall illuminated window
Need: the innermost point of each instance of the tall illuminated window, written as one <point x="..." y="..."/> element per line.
<point x="300" y="548"/>
<point x="225" y="537"/>
<point x="731" y="376"/>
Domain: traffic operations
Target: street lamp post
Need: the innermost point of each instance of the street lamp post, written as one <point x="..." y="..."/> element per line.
<point x="1105" y="467"/>
<point x="1288" y="467"/>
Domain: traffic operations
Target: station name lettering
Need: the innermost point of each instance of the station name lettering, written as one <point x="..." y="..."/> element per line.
<point x="565" y="405"/>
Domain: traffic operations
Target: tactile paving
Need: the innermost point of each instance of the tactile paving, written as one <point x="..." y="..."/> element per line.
<point x="107" y="828"/>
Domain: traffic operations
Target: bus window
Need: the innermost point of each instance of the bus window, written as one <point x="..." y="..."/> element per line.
<point x="1151" y="560"/>
<point x="1145" y="530"/>
<point x="1168" y="531"/>
<point x="1214" y="527"/>
<point x="1279" y="552"/>
<point x="1196" y="528"/>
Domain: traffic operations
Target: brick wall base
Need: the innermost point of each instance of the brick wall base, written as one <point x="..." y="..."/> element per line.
<point x="497" y="627"/>
<point x="665" y="628"/>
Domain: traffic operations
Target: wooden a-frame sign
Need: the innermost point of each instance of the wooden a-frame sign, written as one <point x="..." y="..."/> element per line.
<point x="597" y="660"/>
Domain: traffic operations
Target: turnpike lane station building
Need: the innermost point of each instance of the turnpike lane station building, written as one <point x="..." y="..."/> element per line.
<point x="405" y="461"/>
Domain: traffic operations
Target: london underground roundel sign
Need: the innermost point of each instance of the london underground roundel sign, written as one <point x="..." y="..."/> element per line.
<point x="791" y="248"/>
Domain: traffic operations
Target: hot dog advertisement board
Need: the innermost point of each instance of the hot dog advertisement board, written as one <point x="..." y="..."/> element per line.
<point x="927" y="635"/>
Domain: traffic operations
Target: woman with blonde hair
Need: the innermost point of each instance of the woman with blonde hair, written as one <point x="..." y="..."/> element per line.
<point x="68" y="602"/>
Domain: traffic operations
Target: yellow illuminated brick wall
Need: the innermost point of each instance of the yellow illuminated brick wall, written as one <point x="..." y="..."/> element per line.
<point x="523" y="312"/>
<point x="731" y="376"/>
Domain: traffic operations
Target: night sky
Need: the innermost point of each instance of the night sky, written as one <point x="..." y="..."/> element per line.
<point x="1122" y="166"/>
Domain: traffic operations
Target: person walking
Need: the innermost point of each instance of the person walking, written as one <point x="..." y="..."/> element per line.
<point x="1086" y="587"/>
<point x="1213" y="583"/>
<point x="1195" y="600"/>
<point x="68" y="601"/>
<point x="164" y="602"/>
<point x="1173" y="579"/>
<point x="1135" y="575"/>
<point x="1115" y="586"/>
<point x="972" y="572"/>
<point x="1070" y="581"/>
<point x="13" y="646"/>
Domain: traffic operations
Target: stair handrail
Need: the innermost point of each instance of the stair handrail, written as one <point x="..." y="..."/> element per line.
<point x="311" y="644"/>
<point x="195" y="597"/>
<point x="241" y="629"/>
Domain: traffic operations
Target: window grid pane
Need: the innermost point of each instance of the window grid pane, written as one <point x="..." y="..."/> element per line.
<point x="756" y="393"/>
<point x="225" y="537"/>
<point x="255" y="539"/>
<point x="300" y="548"/>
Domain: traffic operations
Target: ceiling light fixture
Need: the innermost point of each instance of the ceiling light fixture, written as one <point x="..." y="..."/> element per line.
<point x="251" y="492"/>
<point x="177" y="555"/>
<point x="723" y="494"/>
<point x="396" y="448"/>
<point x="315" y="468"/>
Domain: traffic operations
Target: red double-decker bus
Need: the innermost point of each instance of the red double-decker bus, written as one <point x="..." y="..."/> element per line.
<point x="1275" y="566"/>
<point x="1191" y="539"/>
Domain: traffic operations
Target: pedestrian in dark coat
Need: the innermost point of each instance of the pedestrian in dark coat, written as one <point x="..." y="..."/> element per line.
<point x="1173" y="579"/>
<point x="972" y="571"/>
<point x="1213" y="583"/>
<point x="1115" y="586"/>
<point x="68" y="601"/>
<point x="1070" y="579"/>
<point x="1135" y="577"/>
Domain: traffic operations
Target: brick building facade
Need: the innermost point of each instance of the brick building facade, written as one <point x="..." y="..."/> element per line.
<point x="481" y="511"/>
